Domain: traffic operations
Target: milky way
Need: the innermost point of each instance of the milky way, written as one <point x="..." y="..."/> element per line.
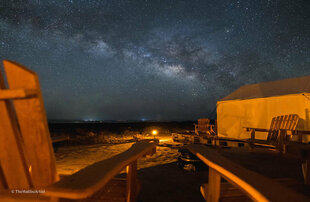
<point x="152" y="60"/>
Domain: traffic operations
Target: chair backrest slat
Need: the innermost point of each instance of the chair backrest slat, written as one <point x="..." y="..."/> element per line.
<point x="13" y="163"/>
<point x="287" y="122"/>
<point x="294" y="121"/>
<point x="203" y="125"/>
<point x="32" y="121"/>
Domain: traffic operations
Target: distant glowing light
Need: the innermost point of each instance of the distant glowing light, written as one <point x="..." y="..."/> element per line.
<point x="89" y="119"/>
<point x="154" y="132"/>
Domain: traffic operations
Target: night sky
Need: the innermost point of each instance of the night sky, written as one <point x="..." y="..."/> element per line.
<point x="152" y="60"/>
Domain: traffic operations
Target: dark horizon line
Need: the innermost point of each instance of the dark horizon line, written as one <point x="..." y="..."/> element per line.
<point x="112" y="121"/>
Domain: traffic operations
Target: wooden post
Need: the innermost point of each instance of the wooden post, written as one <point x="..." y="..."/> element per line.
<point x="299" y="137"/>
<point x="252" y="137"/>
<point x="214" y="141"/>
<point x="131" y="181"/>
<point x="214" y="187"/>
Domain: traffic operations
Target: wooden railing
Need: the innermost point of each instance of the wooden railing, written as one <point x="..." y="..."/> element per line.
<point x="256" y="186"/>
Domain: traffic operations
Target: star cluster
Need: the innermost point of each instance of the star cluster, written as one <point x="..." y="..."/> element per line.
<point x="151" y="59"/>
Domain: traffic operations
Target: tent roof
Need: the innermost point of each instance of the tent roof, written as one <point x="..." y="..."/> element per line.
<point x="272" y="88"/>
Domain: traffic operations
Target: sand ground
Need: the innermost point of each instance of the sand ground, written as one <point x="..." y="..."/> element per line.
<point x="70" y="159"/>
<point x="160" y="177"/>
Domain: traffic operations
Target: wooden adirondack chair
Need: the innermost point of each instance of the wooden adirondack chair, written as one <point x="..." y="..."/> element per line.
<point x="27" y="160"/>
<point x="281" y="129"/>
<point x="204" y="127"/>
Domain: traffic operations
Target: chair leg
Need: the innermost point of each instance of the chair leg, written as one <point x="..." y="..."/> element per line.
<point x="131" y="182"/>
<point x="252" y="142"/>
<point x="214" y="187"/>
<point x="281" y="142"/>
<point x="306" y="169"/>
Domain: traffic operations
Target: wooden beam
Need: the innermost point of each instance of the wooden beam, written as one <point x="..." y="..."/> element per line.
<point x="256" y="186"/>
<point x="17" y="94"/>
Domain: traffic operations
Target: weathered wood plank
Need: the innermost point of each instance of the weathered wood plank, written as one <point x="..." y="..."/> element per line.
<point x="256" y="186"/>
<point x="33" y="125"/>
<point x="87" y="181"/>
<point x="17" y="94"/>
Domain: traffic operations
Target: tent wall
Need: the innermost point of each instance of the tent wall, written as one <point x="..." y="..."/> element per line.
<point x="233" y="115"/>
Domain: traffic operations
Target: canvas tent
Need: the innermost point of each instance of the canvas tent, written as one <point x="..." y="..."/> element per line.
<point x="256" y="104"/>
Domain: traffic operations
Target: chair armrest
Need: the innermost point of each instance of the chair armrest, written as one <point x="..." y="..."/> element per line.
<point x="301" y="132"/>
<point x="89" y="180"/>
<point x="257" y="129"/>
<point x="256" y="186"/>
<point x="268" y="130"/>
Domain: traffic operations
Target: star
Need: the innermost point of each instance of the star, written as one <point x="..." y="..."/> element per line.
<point x="127" y="60"/>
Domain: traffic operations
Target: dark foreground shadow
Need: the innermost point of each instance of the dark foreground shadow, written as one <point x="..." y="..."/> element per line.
<point x="170" y="183"/>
